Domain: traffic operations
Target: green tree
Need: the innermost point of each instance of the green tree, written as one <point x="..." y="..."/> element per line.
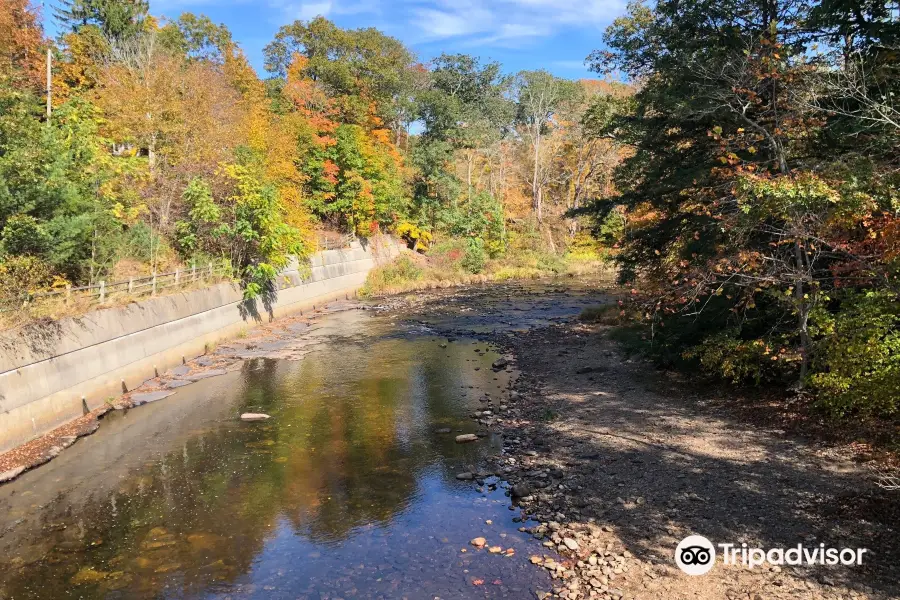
<point x="117" y="19"/>
<point x="197" y="37"/>
<point x="356" y="66"/>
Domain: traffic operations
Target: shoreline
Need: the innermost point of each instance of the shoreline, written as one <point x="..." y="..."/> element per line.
<point x="617" y="464"/>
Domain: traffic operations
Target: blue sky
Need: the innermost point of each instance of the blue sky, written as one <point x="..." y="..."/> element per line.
<point x="521" y="34"/>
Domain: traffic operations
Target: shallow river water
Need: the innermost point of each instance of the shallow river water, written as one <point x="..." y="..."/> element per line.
<point x="349" y="491"/>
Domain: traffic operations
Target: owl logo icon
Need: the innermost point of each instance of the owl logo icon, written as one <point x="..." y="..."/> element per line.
<point x="695" y="555"/>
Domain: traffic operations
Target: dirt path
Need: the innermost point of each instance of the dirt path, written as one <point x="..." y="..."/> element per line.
<point x="626" y="463"/>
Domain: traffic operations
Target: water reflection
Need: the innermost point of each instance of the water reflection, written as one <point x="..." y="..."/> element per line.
<point x="346" y="492"/>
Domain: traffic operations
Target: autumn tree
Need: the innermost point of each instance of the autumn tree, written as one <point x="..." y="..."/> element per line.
<point x="539" y="97"/>
<point x="21" y="45"/>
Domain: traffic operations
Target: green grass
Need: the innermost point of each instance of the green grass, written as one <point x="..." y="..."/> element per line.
<point x="444" y="267"/>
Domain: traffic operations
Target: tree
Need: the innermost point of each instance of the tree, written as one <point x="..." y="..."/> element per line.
<point x="21" y="45"/>
<point x="539" y="96"/>
<point x="465" y="111"/>
<point x="116" y="19"/>
<point x="741" y="209"/>
<point x="356" y="67"/>
<point x="197" y="38"/>
<point x="583" y="158"/>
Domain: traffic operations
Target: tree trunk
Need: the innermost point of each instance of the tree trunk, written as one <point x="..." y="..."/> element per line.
<point x="469" y="160"/>
<point x="535" y="179"/>
<point x="151" y="153"/>
<point x="803" y="308"/>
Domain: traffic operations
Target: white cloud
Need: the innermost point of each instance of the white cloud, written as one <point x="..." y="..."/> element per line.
<point x="311" y="10"/>
<point x="287" y="11"/>
<point x="506" y="23"/>
<point x="500" y="22"/>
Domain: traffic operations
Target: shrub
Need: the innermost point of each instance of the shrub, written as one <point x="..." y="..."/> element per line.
<point x="475" y="258"/>
<point x="728" y="356"/>
<point x="858" y="357"/>
<point x="23" y="275"/>
<point x="22" y="234"/>
<point x="391" y="276"/>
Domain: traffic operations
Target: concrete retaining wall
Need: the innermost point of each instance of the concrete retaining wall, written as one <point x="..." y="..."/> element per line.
<point x="50" y="371"/>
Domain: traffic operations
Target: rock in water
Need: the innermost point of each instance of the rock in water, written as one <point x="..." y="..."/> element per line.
<point x="465" y="476"/>
<point x="479" y="542"/>
<point x="254" y="417"/>
<point x="147" y="397"/>
<point x="500" y="363"/>
<point x="520" y="491"/>
<point x="466" y="437"/>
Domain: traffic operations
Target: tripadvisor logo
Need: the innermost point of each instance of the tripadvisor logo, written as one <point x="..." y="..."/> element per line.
<point x="696" y="555"/>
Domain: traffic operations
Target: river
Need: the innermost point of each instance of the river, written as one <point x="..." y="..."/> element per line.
<point x="348" y="491"/>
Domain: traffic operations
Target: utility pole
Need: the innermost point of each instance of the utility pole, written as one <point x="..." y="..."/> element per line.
<point x="49" y="85"/>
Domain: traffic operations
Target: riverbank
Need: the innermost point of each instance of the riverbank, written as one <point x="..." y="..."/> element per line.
<point x="447" y="268"/>
<point x="625" y="462"/>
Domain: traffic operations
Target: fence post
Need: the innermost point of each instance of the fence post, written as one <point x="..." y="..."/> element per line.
<point x="153" y="285"/>
<point x="210" y="270"/>
<point x="102" y="292"/>
<point x="130" y="285"/>
<point x="68" y="293"/>
<point x="193" y="272"/>
<point x="177" y="276"/>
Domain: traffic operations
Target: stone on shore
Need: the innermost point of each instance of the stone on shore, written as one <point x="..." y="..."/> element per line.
<point x="11" y="474"/>
<point x="520" y="491"/>
<point x="570" y="543"/>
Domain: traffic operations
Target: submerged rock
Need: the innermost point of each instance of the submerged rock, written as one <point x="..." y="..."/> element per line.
<point x="206" y="374"/>
<point x="254" y="417"/>
<point x="147" y="397"/>
<point x="500" y="363"/>
<point x="465" y="476"/>
<point x="466" y="437"/>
